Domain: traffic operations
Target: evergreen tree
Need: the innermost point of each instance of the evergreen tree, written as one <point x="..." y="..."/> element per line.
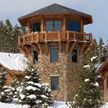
<point x="14" y="85"/>
<point x="31" y="92"/>
<point x="5" y="91"/>
<point x="89" y="93"/>
<point x="101" y="50"/>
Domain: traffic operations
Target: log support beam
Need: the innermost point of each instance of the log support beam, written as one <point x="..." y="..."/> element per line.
<point x="67" y="43"/>
<point x="82" y="49"/>
<point x="72" y="47"/>
<point x="35" y="47"/>
<point x="23" y="51"/>
<point x="59" y="42"/>
<point x="40" y="48"/>
<point x="46" y="42"/>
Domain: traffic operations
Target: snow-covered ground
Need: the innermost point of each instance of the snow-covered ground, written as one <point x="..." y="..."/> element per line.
<point x="56" y="105"/>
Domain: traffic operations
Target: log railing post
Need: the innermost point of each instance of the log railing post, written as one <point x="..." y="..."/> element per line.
<point x="24" y="41"/>
<point x="90" y="35"/>
<point x="46" y="42"/>
<point x="59" y="41"/>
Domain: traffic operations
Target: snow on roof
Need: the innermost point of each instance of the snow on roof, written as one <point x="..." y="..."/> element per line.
<point x="13" y="61"/>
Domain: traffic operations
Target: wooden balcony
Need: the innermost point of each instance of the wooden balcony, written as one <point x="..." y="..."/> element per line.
<point x="40" y="37"/>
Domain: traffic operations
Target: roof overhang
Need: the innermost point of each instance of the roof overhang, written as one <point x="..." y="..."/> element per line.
<point x="23" y="20"/>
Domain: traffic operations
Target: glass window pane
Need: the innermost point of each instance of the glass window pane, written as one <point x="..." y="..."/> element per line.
<point x="75" y="26"/>
<point x="69" y="25"/>
<point x="74" y="55"/>
<point x="54" y="83"/>
<point x="54" y="54"/>
<point x="35" y="57"/>
<point x="49" y="25"/>
<point x="35" y="27"/>
<point x="57" y="25"/>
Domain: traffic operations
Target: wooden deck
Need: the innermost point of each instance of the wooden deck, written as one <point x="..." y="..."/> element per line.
<point x="40" y="37"/>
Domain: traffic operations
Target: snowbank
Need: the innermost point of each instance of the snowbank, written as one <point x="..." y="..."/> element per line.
<point x="56" y="105"/>
<point x="13" y="61"/>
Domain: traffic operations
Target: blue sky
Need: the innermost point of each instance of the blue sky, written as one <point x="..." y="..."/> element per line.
<point x="13" y="9"/>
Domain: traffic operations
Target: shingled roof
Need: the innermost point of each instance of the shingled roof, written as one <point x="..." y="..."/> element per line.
<point x="54" y="9"/>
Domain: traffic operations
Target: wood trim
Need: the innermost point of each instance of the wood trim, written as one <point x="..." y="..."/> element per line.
<point x="67" y="43"/>
<point x="42" y="24"/>
<point x="64" y="24"/>
<point x="46" y="42"/>
<point x="28" y="27"/>
<point x="59" y="41"/>
<point x="72" y="47"/>
<point x="81" y="25"/>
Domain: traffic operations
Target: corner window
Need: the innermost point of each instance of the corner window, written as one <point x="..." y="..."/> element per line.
<point x="74" y="55"/>
<point x="35" y="27"/>
<point x="73" y="26"/>
<point x="53" y="54"/>
<point x="53" y="25"/>
<point x="35" y="57"/>
<point x="54" y="83"/>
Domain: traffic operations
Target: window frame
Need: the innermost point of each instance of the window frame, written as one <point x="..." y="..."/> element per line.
<point x="54" y="23"/>
<point x="52" y="53"/>
<point x="56" y="87"/>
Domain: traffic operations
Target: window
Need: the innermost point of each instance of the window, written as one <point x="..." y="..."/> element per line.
<point x="73" y="26"/>
<point x="53" y="25"/>
<point x="35" y="54"/>
<point x="74" y="55"/>
<point x="53" y="54"/>
<point x="54" y="82"/>
<point x="35" y="27"/>
<point x="107" y="82"/>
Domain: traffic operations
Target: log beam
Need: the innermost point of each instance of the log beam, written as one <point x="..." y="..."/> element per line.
<point x="67" y="43"/>
<point x="72" y="47"/>
<point x="28" y="27"/>
<point x="82" y="48"/>
<point x="40" y="49"/>
<point x="59" y="42"/>
<point x="23" y="51"/>
<point x="35" y="47"/>
<point x="64" y="23"/>
<point x="42" y="24"/>
<point x="46" y="42"/>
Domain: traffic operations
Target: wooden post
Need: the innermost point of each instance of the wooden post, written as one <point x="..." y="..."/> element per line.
<point x="42" y="24"/>
<point x="90" y="35"/>
<point x="67" y="43"/>
<point x="46" y="42"/>
<point x="59" y="41"/>
<point x="28" y="27"/>
<point x="72" y="47"/>
<point x="64" y="23"/>
<point x="23" y="51"/>
<point x="81" y="25"/>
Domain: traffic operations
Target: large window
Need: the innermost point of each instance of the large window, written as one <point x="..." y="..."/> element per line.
<point x="54" y="82"/>
<point x="35" y="27"/>
<point x="55" y="25"/>
<point x="35" y="58"/>
<point x="74" y="55"/>
<point x="53" y="54"/>
<point x="73" y="26"/>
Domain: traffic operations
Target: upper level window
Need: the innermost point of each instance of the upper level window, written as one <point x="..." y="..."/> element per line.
<point x="74" y="55"/>
<point x="54" y="82"/>
<point x="53" y="25"/>
<point x="53" y="54"/>
<point x="35" y="27"/>
<point x="73" y="26"/>
<point x="35" y="58"/>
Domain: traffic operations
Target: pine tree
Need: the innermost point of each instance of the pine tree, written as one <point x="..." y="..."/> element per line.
<point x="89" y="93"/>
<point x="14" y="85"/>
<point x="101" y="50"/>
<point x="31" y="92"/>
<point x="5" y="91"/>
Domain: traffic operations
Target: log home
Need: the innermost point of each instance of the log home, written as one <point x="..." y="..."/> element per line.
<point x="56" y="43"/>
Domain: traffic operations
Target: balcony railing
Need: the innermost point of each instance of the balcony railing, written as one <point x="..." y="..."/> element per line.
<point x="54" y="37"/>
